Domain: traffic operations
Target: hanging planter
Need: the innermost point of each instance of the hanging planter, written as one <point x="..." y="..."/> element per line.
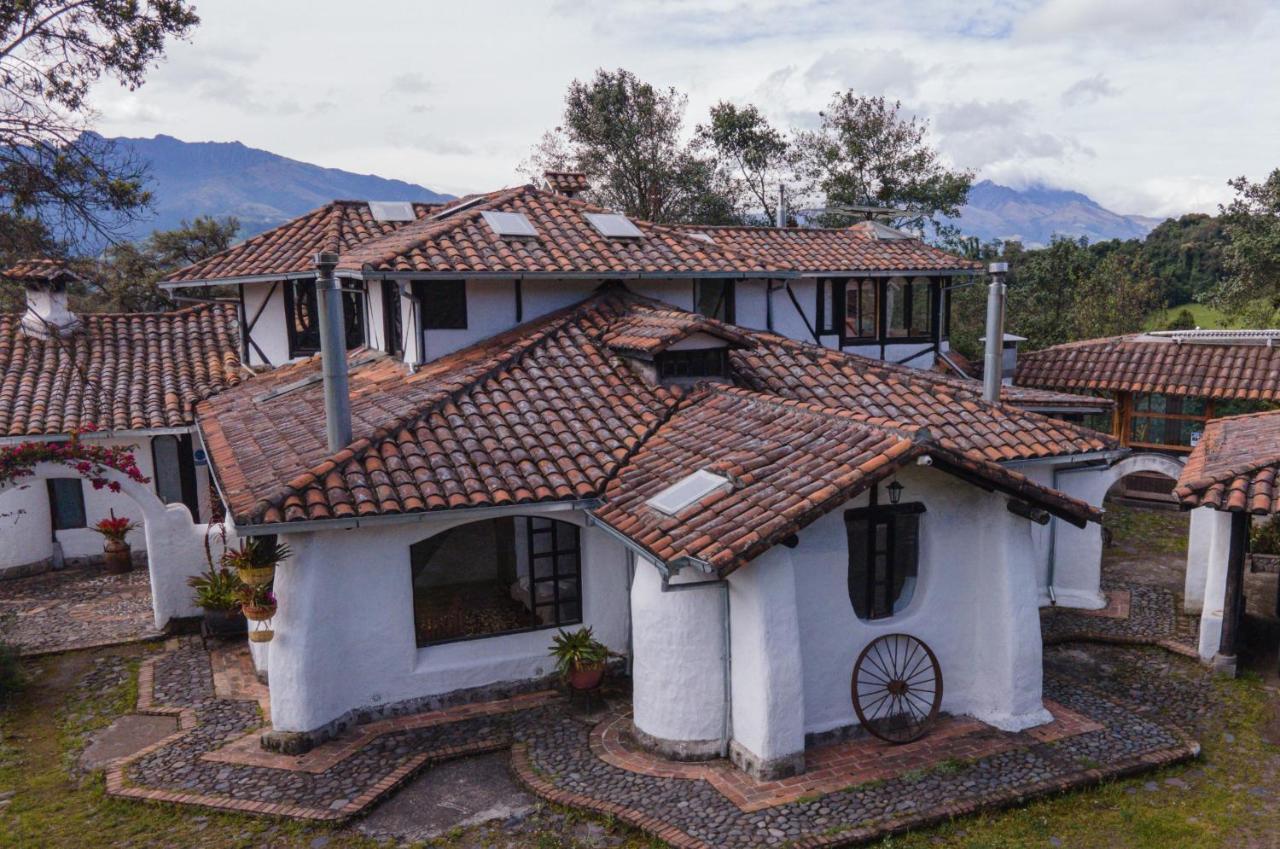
<point x="255" y="560"/>
<point x="261" y="635"/>
<point x="257" y="602"/>
<point x="255" y="613"/>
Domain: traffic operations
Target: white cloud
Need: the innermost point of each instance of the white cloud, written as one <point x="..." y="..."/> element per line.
<point x="876" y="72"/>
<point x="1137" y="21"/>
<point x="1088" y="90"/>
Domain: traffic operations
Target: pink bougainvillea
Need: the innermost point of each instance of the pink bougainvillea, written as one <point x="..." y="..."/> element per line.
<point x="88" y="459"/>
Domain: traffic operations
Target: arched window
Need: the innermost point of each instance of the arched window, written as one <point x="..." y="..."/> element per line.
<point x="884" y="555"/>
<point x="496" y="576"/>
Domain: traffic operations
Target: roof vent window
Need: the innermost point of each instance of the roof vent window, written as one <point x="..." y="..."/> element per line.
<point x="703" y="237"/>
<point x="391" y="210"/>
<point x="688" y="490"/>
<point x="509" y="224"/>
<point x="613" y="225"/>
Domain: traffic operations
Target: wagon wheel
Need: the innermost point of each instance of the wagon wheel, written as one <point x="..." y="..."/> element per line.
<point x="897" y="688"/>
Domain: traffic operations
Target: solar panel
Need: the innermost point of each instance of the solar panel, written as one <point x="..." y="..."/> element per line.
<point x="391" y="210"/>
<point x="509" y="224"/>
<point x="613" y="225"/>
<point x="688" y="490"/>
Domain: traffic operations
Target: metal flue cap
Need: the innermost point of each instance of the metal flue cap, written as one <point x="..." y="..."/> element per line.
<point x="998" y="268"/>
<point x="326" y="259"/>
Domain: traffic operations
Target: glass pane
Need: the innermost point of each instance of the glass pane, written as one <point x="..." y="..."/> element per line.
<point x="828" y="290"/>
<point x="167" y="475"/>
<point x="544" y="567"/>
<point x="570" y="612"/>
<point x="541" y="542"/>
<point x="66" y="503"/>
<point x="712" y="298"/>
<point x="920" y="307"/>
<point x="567" y="564"/>
<point x="895" y="306"/>
<point x="856" y="530"/>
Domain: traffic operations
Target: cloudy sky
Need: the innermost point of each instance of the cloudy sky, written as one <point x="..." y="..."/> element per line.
<point x="1149" y="106"/>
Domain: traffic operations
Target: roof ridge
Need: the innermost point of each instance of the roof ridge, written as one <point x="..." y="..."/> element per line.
<point x="256" y="238"/>
<point x="520" y="348"/>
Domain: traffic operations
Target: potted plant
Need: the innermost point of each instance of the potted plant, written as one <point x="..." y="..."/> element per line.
<point x="256" y="558"/>
<point x="580" y="658"/>
<point x="218" y="594"/>
<point x="116" y="553"/>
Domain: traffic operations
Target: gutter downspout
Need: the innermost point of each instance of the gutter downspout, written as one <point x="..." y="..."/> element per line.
<point x="726" y="655"/>
<point x="333" y="354"/>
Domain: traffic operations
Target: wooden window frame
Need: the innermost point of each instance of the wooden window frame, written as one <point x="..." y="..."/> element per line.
<point x="873" y="515"/>
<point x="728" y="297"/>
<point x="353" y="311"/>
<point x="908" y="310"/>
<point x="392" y="319"/>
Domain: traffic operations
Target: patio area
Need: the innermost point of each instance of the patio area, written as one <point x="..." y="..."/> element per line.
<point x="853" y="791"/>
<point x="76" y="608"/>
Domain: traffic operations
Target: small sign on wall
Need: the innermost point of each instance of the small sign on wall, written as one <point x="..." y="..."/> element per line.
<point x="200" y="458"/>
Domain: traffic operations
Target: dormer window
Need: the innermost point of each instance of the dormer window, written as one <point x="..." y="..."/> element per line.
<point x="693" y="364"/>
<point x="613" y="225"/>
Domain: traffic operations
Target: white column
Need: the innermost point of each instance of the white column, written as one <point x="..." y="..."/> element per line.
<point x="1199" y="543"/>
<point x="1215" y="586"/>
<point x="677" y="664"/>
<point x="768" y="680"/>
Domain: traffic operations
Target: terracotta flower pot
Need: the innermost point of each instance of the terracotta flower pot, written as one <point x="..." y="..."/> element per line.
<point x="586" y="677"/>
<point x="258" y="614"/>
<point x="262" y="635"/>
<point x="117" y="557"/>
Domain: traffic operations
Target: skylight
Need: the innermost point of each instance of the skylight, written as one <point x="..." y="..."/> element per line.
<point x="391" y="210"/>
<point x="613" y="225"/>
<point x="688" y="490"/>
<point x="511" y="224"/>
<point x="703" y="237"/>
<point x="459" y="206"/>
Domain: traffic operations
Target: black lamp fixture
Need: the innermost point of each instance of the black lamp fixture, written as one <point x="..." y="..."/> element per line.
<point x="895" y="492"/>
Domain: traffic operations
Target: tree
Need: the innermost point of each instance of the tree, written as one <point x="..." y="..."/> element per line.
<point x="125" y="280"/>
<point x="758" y="156"/>
<point x="1252" y="223"/>
<point x="53" y="172"/>
<point x="625" y="135"/>
<point x="1114" y="297"/>
<point x="867" y="154"/>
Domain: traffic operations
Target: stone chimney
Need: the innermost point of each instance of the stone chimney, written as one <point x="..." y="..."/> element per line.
<point x="567" y="183"/>
<point x="45" y="281"/>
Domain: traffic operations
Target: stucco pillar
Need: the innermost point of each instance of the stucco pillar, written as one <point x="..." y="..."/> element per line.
<point x="768" y="679"/>
<point x="1215" y="585"/>
<point x="677" y="665"/>
<point x="1076" y="568"/>
<point x="1199" y="543"/>
<point x="1006" y="615"/>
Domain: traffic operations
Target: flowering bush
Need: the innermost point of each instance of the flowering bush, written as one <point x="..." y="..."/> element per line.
<point x="89" y="459"/>
<point x="116" y="527"/>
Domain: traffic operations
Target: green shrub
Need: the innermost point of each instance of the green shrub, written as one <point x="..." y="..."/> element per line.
<point x="12" y="678"/>
<point x="1184" y="320"/>
<point x="216" y="589"/>
<point x="1264" y="537"/>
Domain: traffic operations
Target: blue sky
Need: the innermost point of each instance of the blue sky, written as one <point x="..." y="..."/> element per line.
<point x="1149" y="106"/>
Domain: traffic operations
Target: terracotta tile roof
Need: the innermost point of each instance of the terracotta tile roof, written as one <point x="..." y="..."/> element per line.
<point x="850" y="249"/>
<point x="290" y="248"/>
<point x="566" y="182"/>
<point x="651" y="330"/>
<point x="1235" y="466"/>
<point x="541" y="413"/>
<point x="547" y="412"/>
<point x="566" y="244"/>
<point x="885" y="394"/>
<point x="119" y="372"/>
<point x="39" y="270"/>
<point x="1145" y="363"/>
<point x="954" y="364"/>
<point x="790" y="463"/>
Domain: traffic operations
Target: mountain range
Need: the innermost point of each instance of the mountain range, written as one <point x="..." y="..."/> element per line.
<point x="263" y="189"/>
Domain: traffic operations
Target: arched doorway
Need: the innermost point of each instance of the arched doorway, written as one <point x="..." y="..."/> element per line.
<point x="1144" y="532"/>
<point x="175" y="543"/>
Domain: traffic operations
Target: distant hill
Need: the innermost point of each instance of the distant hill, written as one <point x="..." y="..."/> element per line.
<point x="260" y="188"/>
<point x="1036" y="214"/>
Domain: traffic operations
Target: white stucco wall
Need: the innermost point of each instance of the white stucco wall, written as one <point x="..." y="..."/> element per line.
<point x="269" y="332"/>
<point x="344" y="632"/>
<point x="975" y="605"/>
<point x="1199" y="549"/>
<point x="1216" y="528"/>
<point x="677" y="658"/>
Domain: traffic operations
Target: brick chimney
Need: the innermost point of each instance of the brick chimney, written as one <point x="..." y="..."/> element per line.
<point x="45" y="281"/>
<point x="567" y="183"/>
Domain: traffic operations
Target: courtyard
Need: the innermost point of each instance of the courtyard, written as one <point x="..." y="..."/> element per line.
<point x="144" y="742"/>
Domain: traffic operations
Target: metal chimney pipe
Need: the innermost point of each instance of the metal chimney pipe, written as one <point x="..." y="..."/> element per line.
<point x="333" y="354"/>
<point x="780" y="217"/>
<point x="993" y="365"/>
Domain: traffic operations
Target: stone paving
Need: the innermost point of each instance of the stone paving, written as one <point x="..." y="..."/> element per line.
<point x="1104" y="733"/>
<point x="1153" y="616"/>
<point x="76" y="609"/>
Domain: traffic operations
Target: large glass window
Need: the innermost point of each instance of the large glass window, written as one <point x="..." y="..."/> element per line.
<point x="884" y="552"/>
<point x="392" y="321"/>
<point x="1173" y="421"/>
<point x="443" y="304"/>
<point x="827" y="319"/>
<point x="908" y="307"/>
<point x="714" y="299"/>
<point x="302" y="313"/>
<point x="66" y="503"/>
<point x="496" y="576"/>
<point x="861" y="319"/>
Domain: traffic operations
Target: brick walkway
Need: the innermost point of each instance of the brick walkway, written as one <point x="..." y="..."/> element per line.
<point x="76" y="609"/>
<point x="854" y="790"/>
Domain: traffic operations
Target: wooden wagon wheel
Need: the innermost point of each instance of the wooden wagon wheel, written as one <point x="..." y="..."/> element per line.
<point x="897" y="688"/>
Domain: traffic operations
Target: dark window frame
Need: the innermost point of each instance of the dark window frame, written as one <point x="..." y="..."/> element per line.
<point x="692" y="363"/>
<point x="930" y="333"/>
<point x="880" y="285"/>
<point x="827" y="321"/>
<point x="392" y="319"/>
<point x="894" y="517"/>
<point x="728" y="298"/>
<point x="186" y="471"/>
<point x="353" y="309"/>
<point x="68" y="486"/>
<point x="554" y="526"/>
<point x="454" y="317"/>
<point x="877" y="289"/>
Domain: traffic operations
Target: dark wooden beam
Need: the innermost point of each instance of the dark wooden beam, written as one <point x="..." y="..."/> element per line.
<point x="1233" y="601"/>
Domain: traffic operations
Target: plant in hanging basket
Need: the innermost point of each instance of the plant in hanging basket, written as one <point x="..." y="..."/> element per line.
<point x="580" y="658"/>
<point x="257" y="602"/>
<point x="256" y="559"/>
<point x="262" y="635"/>
<point x="116" y="552"/>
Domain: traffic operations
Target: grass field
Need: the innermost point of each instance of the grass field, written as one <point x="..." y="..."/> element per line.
<point x="1206" y="317"/>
